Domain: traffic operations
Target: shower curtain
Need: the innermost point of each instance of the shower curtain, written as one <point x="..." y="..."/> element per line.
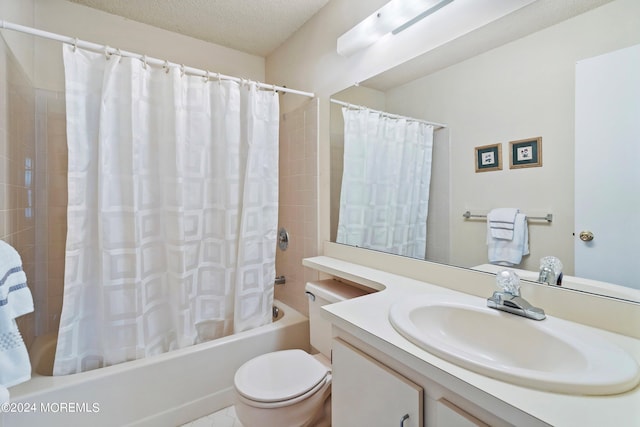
<point x="385" y="184"/>
<point x="172" y="210"/>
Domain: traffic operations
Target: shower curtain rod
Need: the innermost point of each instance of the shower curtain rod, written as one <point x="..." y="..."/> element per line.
<point x="154" y="61"/>
<point x="437" y="126"/>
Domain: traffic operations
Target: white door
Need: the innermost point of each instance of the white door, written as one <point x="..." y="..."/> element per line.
<point x="607" y="169"/>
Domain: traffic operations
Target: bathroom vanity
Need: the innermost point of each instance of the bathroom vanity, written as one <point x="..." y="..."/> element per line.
<point x="381" y="377"/>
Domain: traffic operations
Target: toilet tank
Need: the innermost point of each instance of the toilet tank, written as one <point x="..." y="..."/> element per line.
<point x="322" y="292"/>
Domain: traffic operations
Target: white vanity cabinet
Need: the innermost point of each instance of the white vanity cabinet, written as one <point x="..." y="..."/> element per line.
<point x="452" y="396"/>
<point x="370" y="389"/>
<point x="364" y="392"/>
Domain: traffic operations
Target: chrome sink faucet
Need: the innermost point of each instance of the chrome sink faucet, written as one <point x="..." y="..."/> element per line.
<point x="550" y="271"/>
<point x="508" y="297"/>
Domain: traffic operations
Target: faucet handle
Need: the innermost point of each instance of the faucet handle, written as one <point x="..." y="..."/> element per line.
<point x="509" y="282"/>
<point x="550" y="271"/>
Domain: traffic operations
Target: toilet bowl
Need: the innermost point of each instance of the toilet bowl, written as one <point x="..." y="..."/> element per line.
<point x="283" y="388"/>
<point x="291" y="387"/>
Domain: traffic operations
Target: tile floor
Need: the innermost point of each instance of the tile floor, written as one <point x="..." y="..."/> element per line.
<point x="223" y="418"/>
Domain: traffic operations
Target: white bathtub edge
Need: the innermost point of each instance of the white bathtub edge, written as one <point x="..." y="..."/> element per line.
<point x="177" y="415"/>
<point x="159" y="391"/>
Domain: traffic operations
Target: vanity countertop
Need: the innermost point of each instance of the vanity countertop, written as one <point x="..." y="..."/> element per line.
<point x="367" y="317"/>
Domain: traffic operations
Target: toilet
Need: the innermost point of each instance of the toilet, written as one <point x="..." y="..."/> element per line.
<point x="291" y="387"/>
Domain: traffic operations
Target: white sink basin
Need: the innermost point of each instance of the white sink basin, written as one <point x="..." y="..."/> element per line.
<point x="552" y="355"/>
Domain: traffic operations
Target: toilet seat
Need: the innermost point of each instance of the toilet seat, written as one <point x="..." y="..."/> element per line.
<point x="280" y="378"/>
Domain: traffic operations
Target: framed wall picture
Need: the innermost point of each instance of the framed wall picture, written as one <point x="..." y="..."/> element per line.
<point x="525" y="153"/>
<point x="489" y="158"/>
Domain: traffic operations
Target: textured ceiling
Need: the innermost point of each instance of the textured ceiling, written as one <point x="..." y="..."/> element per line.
<point x="253" y="26"/>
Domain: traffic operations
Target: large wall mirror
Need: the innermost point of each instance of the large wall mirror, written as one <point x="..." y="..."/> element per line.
<point x="524" y="90"/>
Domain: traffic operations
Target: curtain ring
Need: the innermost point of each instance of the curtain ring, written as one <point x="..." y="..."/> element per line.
<point x="166" y="66"/>
<point x="144" y="61"/>
<point x="75" y="44"/>
<point x="181" y="70"/>
<point x="219" y="79"/>
<point x="207" y="77"/>
<point x="274" y="89"/>
<point x="106" y="52"/>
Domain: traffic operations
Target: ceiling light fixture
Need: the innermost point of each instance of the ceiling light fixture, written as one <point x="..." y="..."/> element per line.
<point x="393" y="17"/>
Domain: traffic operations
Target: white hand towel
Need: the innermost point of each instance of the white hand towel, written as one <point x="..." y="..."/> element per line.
<point x="15" y="296"/>
<point x="510" y="252"/>
<point x="15" y="300"/>
<point x="15" y="367"/>
<point x="501" y="222"/>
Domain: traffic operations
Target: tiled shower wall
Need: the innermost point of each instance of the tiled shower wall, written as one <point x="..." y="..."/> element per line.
<point x="51" y="199"/>
<point x="18" y="209"/>
<point x="298" y="211"/>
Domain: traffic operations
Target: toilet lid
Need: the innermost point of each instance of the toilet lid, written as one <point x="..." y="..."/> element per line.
<point x="278" y="376"/>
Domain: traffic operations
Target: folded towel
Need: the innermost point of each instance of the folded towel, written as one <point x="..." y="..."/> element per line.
<point x="509" y="252"/>
<point x="15" y="367"/>
<point x="15" y="296"/>
<point x="501" y="222"/>
<point x="15" y="300"/>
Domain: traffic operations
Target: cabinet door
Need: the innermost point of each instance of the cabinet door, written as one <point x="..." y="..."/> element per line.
<point x="449" y="415"/>
<point x="367" y="393"/>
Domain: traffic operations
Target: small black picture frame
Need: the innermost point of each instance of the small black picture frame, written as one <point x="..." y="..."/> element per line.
<point x="525" y="153"/>
<point x="489" y="158"/>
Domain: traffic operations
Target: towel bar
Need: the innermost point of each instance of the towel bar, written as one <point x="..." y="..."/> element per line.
<point x="548" y="217"/>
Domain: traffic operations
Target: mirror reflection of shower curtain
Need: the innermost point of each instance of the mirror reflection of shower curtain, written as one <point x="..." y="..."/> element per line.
<point x="172" y="210"/>
<point x="385" y="184"/>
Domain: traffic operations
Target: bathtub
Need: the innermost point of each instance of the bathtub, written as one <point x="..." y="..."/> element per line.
<point x="164" y="390"/>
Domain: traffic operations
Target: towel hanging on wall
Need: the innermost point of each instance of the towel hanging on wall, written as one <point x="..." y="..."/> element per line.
<point x="501" y="222"/>
<point x="509" y="252"/>
<point x="15" y="300"/>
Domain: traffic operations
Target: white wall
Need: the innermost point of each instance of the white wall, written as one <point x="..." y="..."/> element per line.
<point x="42" y="59"/>
<point x="19" y="12"/>
<point x="73" y="20"/>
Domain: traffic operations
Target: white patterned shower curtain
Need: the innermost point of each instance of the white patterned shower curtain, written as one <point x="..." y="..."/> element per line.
<point x="384" y="199"/>
<point x="172" y="210"/>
